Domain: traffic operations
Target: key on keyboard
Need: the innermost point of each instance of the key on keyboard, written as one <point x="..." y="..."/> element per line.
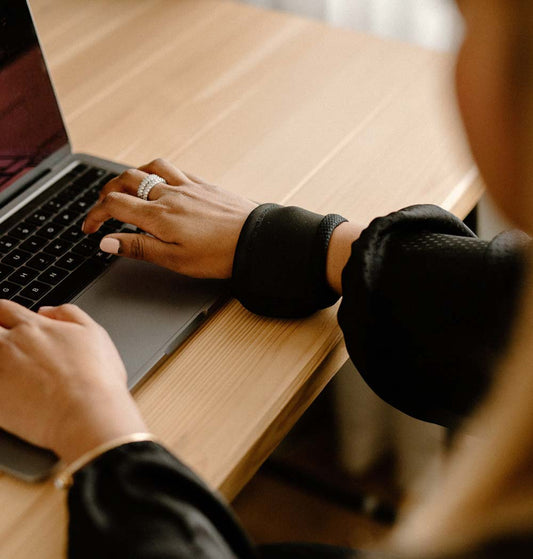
<point x="45" y="258"/>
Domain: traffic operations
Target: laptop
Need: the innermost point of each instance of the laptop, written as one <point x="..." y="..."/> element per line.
<point x="45" y="259"/>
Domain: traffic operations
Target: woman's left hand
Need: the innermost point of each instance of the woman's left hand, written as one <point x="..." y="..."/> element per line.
<point x="194" y="226"/>
<point x="62" y="382"/>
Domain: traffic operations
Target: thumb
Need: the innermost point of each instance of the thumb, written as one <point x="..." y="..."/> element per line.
<point x="139" y="247"/>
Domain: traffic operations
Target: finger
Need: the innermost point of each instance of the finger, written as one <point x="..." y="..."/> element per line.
<point x="195" y="179"/>
<point x="167" y="171"/>
<point x="128" y="182"/>
<point x="125" y="208"/>
<point x="66" y="313"/>
<point x="12" y="314"/>
<point x="140" y="247"/>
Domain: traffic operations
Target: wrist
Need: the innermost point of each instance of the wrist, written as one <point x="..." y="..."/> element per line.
<point x="95" y="422"/>
<point x="339" y="251"/>
<point x="65" y="479"/>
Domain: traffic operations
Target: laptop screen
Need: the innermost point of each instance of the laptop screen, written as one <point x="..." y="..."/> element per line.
<point x="31" y="127"/>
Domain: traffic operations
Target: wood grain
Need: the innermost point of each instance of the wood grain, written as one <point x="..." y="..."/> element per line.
<point x="276" y="108"/>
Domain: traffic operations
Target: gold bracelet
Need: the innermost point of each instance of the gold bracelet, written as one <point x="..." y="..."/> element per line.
<point x="65" y="479"/>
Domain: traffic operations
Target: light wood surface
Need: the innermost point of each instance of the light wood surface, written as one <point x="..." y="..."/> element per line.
<point x="279" y="109"/>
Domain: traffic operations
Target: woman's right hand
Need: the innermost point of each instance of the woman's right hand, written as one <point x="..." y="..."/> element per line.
<point x="193" y="226"/>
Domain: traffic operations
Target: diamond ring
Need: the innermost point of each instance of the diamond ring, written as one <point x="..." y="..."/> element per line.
<point x="147" y="184"/>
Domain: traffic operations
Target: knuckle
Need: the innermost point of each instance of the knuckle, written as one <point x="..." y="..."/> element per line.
<point x="28" y="328"/>
<point x="68" y="307"/>
<point x="111" y="198"/>
<point x="105" y="191"/>
<point x="168" y="215"/>
<point x="173" y="201"/>
<point x="109" y="184"/>
<point x="161" y="205"/>
<point x="10" y="307"/>
<point x="128" y="175"/>
<point x="155" y="213"/>
<point x="137" y="248"/>
<point x="158" y="162"/>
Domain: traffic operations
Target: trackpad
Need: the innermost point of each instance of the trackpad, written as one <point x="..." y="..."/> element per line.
<point x="148" y="310"/>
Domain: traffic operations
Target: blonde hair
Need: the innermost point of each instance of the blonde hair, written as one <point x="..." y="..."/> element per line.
<point x="521" y="85"/>
<point x="487" y="489"/>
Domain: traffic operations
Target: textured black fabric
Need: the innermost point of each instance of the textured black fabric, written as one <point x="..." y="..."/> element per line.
<point x="427" y="310"/>
<point x="313" y="551"/>
<point x="318" y="551"/>
<point x="279" y="267"/>
<point x="517" y="545"/>
<point x="139" y="502"/>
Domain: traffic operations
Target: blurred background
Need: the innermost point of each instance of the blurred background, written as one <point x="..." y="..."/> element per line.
<point x="430" y="23"/>
<point x="352" y="460"/>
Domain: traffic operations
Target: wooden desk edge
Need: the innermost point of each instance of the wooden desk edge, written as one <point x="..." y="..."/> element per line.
<point x="461" y="203"/>
<point x="283" y="423"/>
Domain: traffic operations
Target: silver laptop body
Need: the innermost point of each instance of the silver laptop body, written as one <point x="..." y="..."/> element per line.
<point x="148" y="311"/>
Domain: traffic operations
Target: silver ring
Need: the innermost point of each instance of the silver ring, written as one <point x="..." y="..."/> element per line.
<point x="147" y="184"/>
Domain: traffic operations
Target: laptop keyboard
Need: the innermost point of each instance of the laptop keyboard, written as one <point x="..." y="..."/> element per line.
<point x="45" y="258"/>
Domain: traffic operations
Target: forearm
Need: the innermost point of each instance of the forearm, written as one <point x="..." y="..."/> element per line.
<point x="417" y="319"/>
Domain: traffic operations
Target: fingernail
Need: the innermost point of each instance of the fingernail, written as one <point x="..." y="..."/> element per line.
<point x="108" y="244"/>
<point x="45" y="309"/>
<point x="83" y="225"/>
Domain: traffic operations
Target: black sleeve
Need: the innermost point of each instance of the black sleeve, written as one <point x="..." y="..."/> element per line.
<point x="140" y="502"/>
<point x="280" y="263"/>
<point x="427" y="310"/>
<point x="427" y="306"/>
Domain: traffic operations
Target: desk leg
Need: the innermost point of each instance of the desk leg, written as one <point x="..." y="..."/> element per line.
<point x="369" y="427"/>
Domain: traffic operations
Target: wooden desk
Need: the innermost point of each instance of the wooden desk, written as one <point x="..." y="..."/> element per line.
<point x="276" y="108"/>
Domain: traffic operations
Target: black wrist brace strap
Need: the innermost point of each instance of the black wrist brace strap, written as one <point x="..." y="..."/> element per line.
<point x="280" y="262"/>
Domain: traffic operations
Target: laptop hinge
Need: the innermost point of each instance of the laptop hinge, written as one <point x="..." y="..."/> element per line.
<point x="38" y="182"/>
<point x="36" y="179"/>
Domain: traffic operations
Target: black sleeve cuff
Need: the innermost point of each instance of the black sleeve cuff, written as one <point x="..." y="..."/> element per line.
<point x="280" y="262"/>
<point x="139" y="501"/>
